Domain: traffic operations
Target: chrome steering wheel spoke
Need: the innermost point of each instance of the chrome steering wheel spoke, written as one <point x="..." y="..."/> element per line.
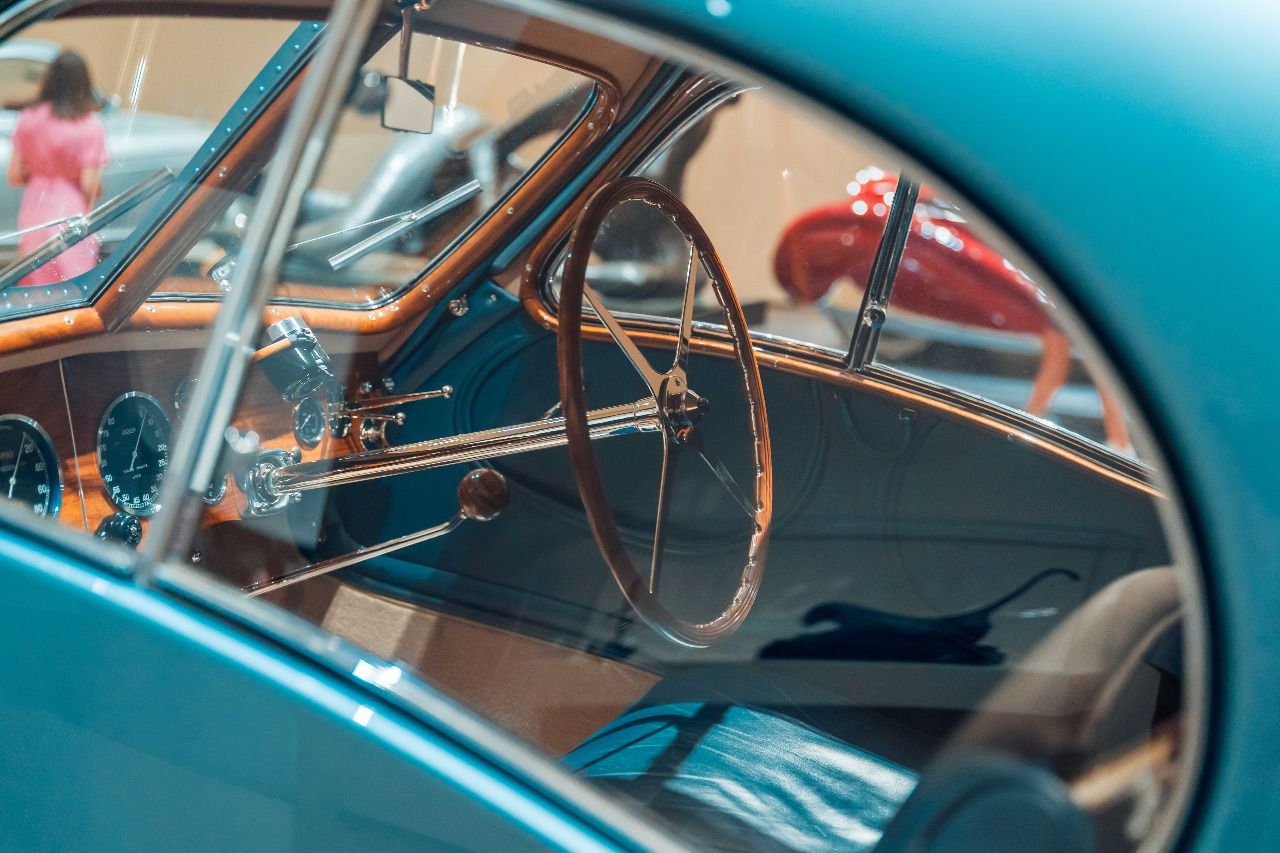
<point x="680" y="366"/>
<point x="666" y="484"/>
<point x="652" y="378"/>
<point x="721" y="472"/>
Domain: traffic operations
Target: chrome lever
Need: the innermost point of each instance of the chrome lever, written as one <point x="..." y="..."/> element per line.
<point x="367" y="418"/>
<point x="482" y="496"/>
<point x="397" y="418"/>
<point x="359" y="407"/>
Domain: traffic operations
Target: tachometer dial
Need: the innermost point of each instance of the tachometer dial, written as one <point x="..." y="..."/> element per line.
<point x="133" y="452"/>
<point x="29" y="467"/>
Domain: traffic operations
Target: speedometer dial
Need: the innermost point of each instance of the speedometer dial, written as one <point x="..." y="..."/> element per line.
<point x="29" y="468"/>
<point x="133" y="452"/>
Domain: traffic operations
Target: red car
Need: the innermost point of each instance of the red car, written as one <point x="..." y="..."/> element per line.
<point x="947" y="273"/>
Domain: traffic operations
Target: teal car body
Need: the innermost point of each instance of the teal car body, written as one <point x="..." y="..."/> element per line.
<point x="134" y="718"/>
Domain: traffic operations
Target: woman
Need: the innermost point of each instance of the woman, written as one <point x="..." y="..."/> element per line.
<point x="59" y="149"/>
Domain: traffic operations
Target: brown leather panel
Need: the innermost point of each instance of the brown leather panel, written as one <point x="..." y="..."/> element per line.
<point x="552" y="696"/>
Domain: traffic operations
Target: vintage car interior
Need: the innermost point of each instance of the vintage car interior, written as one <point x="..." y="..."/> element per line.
<point x="707" y="444"/>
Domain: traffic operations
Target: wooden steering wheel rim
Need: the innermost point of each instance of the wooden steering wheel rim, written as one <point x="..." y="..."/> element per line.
<point x="572" y="399"/>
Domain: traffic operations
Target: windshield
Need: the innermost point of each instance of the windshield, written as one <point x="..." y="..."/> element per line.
<point x="87" y="194"/>
<point x="390" y="198"/>
<point x="105" y="126"/>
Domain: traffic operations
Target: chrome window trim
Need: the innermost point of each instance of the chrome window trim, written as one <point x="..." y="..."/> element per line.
<point x="1126" y="467"/>
<point x="1016" y="419"/>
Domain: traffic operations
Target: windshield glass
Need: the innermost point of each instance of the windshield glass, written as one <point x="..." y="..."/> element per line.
<point x="420" y="156"/>
<point x="105" y="124"/>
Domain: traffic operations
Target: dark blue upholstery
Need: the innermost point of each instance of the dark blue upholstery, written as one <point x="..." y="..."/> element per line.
<point x="735" y="776"/>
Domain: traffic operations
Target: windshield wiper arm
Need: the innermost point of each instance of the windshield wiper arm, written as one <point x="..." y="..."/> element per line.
<point x="407" y="220"/>
<point x="403" y="221"/>
<point x="79" y="227"/>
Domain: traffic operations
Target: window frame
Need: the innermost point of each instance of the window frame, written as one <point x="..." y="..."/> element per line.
<point x="798" y="357"/>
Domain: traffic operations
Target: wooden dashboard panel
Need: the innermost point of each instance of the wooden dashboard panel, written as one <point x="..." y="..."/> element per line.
<point x="36" y="393"/>
<point x="69" y="396"/>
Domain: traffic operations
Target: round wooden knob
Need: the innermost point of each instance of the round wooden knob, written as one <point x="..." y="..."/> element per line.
<point x="483" y="494"/>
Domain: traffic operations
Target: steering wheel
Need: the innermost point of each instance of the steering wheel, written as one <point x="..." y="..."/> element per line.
<point x="679" y="409"/>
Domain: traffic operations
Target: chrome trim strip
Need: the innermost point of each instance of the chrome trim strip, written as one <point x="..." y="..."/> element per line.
<point x="767" y="345"/>
<point x="333" y="564"/>
<point x="1016" y="419"/>
<point x="625" y="419"/>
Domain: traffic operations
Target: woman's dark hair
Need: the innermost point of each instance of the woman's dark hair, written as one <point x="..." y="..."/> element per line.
<point x="66" y="86"/>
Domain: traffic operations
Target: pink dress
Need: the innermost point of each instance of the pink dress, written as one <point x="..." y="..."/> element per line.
<point x="54" y="152"/>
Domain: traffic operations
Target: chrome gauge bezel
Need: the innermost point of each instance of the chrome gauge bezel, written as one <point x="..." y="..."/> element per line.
<point x="154" y="507"/>
<point x="306" y="439"/>
<point x="216" y="491"/>
<point x="53" y="463"/>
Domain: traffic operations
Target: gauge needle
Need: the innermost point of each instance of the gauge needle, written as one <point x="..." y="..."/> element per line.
<point x="133" y="460"/>
<point x="13" y="479"/>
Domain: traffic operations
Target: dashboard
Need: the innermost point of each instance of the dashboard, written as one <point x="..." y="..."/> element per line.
<point x="85" y="439"/>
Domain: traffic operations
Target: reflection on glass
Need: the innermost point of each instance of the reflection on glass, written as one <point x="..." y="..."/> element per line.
<point x="933" y="591"/>
<point x="387" y="200"/>
<point x="91" y="109"/>
<point x="961" y="313"/>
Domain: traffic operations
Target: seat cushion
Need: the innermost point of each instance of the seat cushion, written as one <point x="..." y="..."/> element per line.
<point x="729" y="776"/>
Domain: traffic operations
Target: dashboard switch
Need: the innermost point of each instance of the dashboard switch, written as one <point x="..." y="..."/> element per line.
<point x="121" y="527"/>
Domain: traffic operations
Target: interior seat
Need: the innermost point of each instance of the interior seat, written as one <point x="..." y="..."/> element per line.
<point x="747" y="758"/>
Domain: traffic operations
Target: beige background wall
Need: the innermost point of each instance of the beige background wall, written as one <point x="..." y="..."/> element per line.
<point x="189" y="67"/>
<point x="764" y="163"/>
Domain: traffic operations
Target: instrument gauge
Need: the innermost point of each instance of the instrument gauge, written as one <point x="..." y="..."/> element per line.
<point x="217" y="490"/>
<point x="133" y="452"/>
<point x="30" y="473"/>
<point x="308" y="422"/>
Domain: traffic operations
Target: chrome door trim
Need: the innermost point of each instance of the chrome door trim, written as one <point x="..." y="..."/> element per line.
<point x="828" y="365"/>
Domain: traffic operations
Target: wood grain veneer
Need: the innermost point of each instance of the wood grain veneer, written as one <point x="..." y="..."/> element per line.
<point x="92" y="382"/>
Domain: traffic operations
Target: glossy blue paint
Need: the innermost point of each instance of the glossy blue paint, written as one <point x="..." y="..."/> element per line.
<point x="129" y="721"/>
<point x="1131" y="149"/>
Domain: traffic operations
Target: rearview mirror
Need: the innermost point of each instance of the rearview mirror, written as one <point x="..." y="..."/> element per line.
<point x="409" y="105"/>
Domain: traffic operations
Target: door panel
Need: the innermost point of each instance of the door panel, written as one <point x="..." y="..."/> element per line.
<point x="877" y="508"/>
